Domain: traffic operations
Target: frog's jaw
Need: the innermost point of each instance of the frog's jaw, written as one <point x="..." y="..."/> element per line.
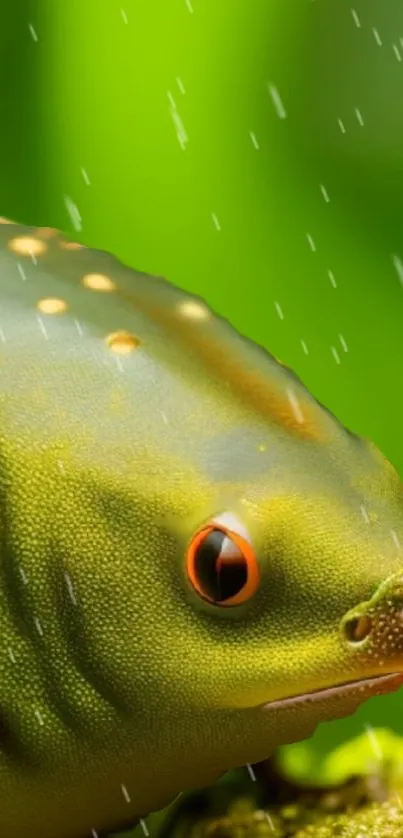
<point x="256" y="733"/>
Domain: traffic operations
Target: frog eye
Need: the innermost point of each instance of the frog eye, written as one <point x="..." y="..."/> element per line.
<point x="221" y="564"/>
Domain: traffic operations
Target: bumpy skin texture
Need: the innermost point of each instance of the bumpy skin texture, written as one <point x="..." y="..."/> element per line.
<point x="131" y="415"/>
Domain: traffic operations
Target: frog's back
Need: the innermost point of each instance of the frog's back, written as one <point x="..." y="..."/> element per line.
<point x="85" y="339"/>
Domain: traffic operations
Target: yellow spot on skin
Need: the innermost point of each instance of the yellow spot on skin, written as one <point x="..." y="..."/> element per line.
<point x="71" y="245"/>
<point x="193" y="310"/>
<point x="52" y="305"/>
<point x="98" y="282"/>
<point x="27" y="246"/>
<point x="122" y="342"/>
<point x="262" y="448"/>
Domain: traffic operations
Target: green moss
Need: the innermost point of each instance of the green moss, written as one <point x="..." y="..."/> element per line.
<point x="359" y="796"/>
<point x="377" y="820"/>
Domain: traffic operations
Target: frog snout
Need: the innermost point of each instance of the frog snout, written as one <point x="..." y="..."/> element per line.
<point x="376" y="626"/>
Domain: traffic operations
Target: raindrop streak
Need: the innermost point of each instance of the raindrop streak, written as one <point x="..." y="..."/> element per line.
<point x="39" y="717"/>
<point x="21" y="271"/>
<point x="332" y="278"/>
<point x="311" y="242"/>
<point x="74" y="213"/>
<point x="269" y="821"/>
<point x="395" y="539"/>
<point x="324" y="193"/>
<point x="304" y="346"/>
<point x="398" y="266"/>
<point x="279" y="310"/>
<point x="125" y="793"/>
<point x="343" y="343"/>
<point x="251" y="773"/>
<point x="181" y="86"/>
<point x="359" y="117"/>
<point x="24" y="576"/>
<point x="335" y="354"/>
<point x="216" y="222"/>
<point x="277" y="102"/>
<point x="33" y="33"/>
<point x="295" y="406"/>
<point x="254" y="140"/>
<point x="374" y="742"/>
<point x="177" y="121"/>
<point x="85" y="176"/>
<point x="42" y="327"/>
<point x="397" y="53"/>
<point x="38" y="626"/>
<point x="377" y="36"/>
<point x="341" y="126"/>
<point x="356" y="19"/>
<point x="70" y="588"/>
<point x="124" y="16"/>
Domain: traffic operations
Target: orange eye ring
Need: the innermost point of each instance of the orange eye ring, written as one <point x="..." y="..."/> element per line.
<point x="222" y="566"/>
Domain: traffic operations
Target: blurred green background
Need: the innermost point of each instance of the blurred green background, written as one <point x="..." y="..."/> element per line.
<point x="249" y="150"/>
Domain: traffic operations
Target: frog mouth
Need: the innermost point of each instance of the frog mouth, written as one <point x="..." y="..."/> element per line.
<point x="361" y="689"/>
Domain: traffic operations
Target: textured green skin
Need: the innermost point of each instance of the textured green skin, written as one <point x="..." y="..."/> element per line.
<point x="107" y="469"/>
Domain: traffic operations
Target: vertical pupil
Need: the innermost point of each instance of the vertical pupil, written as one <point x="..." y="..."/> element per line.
<point x="220" y="567"/>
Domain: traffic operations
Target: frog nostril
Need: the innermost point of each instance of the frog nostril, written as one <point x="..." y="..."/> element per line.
<point x="358" y="628"/>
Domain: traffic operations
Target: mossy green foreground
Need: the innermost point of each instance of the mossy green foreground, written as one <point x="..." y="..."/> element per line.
<point x="375" y="820"/>
<point x="363" y="801"/>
